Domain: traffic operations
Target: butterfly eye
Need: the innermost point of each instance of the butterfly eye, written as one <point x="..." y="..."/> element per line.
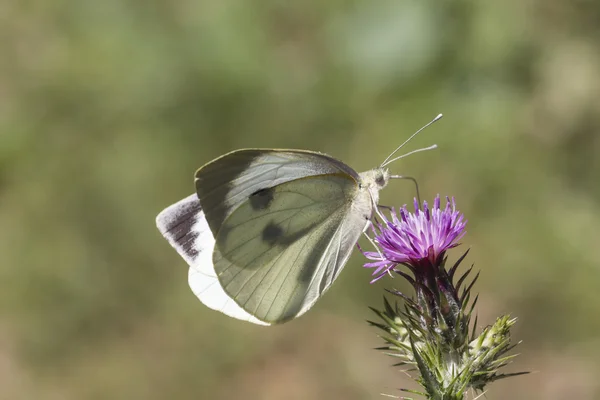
<point x="380" y="179"/>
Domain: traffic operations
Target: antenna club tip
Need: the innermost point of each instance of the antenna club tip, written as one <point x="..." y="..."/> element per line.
<point x="438" y="117"/>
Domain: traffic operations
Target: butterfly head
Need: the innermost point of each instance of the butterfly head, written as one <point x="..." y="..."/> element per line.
<point x="381" y="177"/>
<point x="374" y="180"/>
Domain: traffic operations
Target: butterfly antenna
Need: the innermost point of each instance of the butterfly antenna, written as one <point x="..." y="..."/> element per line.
<point x="410" y="153"/>
<point x="388" y="161"/>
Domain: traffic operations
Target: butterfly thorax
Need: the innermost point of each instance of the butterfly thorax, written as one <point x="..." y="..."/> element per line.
<point x="373" y="181"/>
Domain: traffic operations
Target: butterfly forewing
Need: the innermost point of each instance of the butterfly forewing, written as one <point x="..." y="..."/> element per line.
<point x="284" y="246"/>
<point x="225" y="183"/>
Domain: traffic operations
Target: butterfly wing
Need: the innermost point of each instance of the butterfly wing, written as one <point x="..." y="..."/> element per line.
<point x="302" y="241"/>
<point x="184" y="226"/>
<point x="283" y="247"/>
<point x="226" y="182"/>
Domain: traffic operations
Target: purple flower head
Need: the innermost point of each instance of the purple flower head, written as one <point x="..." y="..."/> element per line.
<point x="416" y="238"/>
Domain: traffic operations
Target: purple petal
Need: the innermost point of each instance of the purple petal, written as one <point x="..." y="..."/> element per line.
<point x="410" y="237"/>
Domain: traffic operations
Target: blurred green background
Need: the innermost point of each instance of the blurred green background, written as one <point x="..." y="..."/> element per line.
<point x="108" y="107"/>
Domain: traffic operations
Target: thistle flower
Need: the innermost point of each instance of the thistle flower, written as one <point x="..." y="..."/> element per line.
<point x="416" y="238"/>
<point x="433" y="332"/>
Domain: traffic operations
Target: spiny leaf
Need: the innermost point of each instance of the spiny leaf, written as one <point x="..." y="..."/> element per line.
<point x="473" y="304"/>
<point x="429" y="380"/>
<point x="388" y="308"/>
<point x="463" y="277"/>
<point x="400" y="294"/>
<point x="452" y="270"/>
<point x="380" y="326"/>
<point x="407" y="277"/>
<point x="474" y="328"/>
<point x="468" y="290"/>
<point x="413" y="392"/>
<point x="503" y="376"/>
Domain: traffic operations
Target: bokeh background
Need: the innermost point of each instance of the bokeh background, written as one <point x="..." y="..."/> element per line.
<point x="108" y="107"/>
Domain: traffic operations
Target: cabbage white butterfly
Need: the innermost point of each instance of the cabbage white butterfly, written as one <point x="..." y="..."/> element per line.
<point x="268" y="231"/>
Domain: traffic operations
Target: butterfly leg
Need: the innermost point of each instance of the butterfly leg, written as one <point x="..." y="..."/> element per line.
<point x="381" y="216"/>
<point x="385" y="207"/>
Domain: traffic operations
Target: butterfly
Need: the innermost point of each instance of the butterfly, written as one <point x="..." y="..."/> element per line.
<point x="268" y="231"/>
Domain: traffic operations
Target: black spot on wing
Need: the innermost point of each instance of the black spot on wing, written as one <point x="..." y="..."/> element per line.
<point x="272" y="233"/>
<point x="261" y="199"/>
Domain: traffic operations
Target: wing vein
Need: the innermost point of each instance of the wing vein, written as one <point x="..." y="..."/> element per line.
<point x="250" y="177"/>
<point x="286" y="276"/>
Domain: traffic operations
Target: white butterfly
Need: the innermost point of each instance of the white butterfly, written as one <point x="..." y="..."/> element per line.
<point x="268" y="231"/>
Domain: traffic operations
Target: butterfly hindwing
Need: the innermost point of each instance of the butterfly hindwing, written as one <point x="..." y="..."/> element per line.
<point x="184" y="226"/>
